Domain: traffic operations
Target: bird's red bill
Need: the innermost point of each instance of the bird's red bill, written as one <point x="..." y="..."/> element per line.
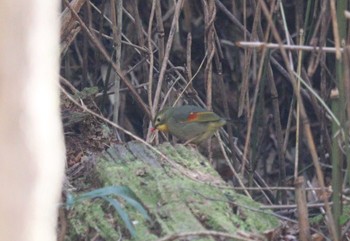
<point x="153" y="129"/>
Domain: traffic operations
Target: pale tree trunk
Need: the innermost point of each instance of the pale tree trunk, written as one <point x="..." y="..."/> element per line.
<point x="31" y="140"/>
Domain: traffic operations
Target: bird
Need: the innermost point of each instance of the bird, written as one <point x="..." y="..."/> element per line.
<point x="189" y="123"/>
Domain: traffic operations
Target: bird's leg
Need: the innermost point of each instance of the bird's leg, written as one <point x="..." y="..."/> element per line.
<point x="190" y="140"/>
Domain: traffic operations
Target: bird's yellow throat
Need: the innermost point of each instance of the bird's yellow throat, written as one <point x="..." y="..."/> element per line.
<point x="163" y="127"/>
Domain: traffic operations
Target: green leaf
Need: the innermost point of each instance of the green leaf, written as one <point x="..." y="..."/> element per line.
<point x="123" y="215"/>
<point x="121" y="191"/>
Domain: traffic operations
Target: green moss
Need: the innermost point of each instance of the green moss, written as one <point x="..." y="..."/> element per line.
<point x="176" y="202"/>
<point x="89" y="215"/>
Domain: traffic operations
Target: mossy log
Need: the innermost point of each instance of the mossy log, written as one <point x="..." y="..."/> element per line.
<point x="193" y="199"/>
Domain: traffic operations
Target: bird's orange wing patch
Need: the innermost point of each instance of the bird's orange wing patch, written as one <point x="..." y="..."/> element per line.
<point x="193" y="116"/>
<point x="204" y="116"/>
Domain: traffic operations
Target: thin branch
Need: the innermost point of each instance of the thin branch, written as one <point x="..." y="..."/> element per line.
<point x="167" y="54"/>
<point x="244" y="44"/>
<point x="103" y="51"/>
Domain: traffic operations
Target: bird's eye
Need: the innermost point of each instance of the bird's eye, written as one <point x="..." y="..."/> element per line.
<point x="158" y="119"/>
